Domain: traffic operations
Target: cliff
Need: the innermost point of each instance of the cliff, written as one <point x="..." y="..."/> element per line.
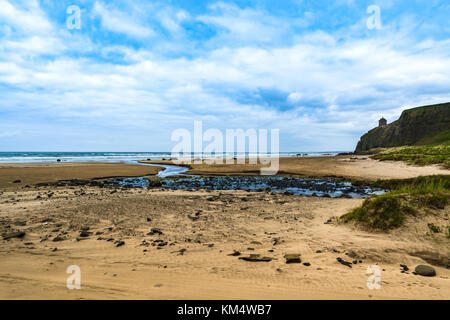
<point x="418" y="126"/>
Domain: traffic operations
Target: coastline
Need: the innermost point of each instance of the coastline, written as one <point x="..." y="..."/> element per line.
<point x="121" y="256"/>
<point x="351" y="167"/>
<point x="358" y="168"/>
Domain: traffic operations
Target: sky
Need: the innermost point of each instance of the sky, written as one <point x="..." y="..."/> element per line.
<point x="126" y="74"/>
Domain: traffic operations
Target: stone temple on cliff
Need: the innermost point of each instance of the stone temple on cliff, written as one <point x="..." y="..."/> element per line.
<point x="382" y="122"/>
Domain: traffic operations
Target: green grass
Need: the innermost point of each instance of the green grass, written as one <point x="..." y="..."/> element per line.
<point x="416" y="155"/>
<point x="443" y="138"/>
<point x="382" y="212"/>
<point x="419" y="185"/>
<point x="406" y="197"/>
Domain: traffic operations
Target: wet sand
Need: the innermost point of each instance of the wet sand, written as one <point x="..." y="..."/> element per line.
<point x="352" y="167"/>
<point x="190" y="258"/>
<point x="33" y="173"/>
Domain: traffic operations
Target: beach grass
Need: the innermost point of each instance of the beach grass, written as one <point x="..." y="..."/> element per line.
<point x="416" y="155"/>
<point x="406" y="198"/>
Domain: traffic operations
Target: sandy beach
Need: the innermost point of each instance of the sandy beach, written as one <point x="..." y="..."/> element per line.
<point x="18" y="175"/>
<point x="349" y="167"/>
<point x="133" y="243"/>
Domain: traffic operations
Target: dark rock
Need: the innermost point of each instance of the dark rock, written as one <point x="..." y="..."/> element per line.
<point x="58" y="238"/>
<point x="85" y="234"/>
<point x="11" y="235"/>
<point x="154" y="183"/>
<point x="425" y="271"/>
<point x="154" y="231"/>
<point x="17" y="181"/>
<point x="404" y="267"/>
<point x="256" y="258"/>
<point x="292" y="258"/>
<point x="235" y="253"/>
<point x="193" y="218"/>
<point x="345" y="263"/>
<point x="119" y="243"/>
<point x="306" y="264"/>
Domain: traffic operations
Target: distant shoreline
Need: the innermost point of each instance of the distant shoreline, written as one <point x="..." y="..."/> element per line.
<point x="348" y="167"/>
<point x="67" y="157"/>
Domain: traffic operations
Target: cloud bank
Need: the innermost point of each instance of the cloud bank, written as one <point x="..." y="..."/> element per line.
<point x="135" y="71"/>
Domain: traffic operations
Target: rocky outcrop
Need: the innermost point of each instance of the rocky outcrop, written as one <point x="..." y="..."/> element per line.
<point x="417" y="126"/>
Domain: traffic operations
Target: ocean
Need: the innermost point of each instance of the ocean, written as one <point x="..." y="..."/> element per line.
<point x="27" y="157"/>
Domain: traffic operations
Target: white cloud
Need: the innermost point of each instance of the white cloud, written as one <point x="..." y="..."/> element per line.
<point x="171" y="19"/>
<point x="244" y="25"/>
<point x="294" y="97"/>
<point x="119" y="22"/>
<point x="32" y="21"/>
<point x="333" y="87"/>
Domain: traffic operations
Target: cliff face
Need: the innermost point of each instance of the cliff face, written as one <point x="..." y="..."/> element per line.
<point x="417" y="126"/>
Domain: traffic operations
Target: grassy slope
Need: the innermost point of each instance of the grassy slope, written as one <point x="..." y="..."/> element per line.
<point x="433" y="149"/>
<point x="407" y="197"/>
<point x="417" y="155"/>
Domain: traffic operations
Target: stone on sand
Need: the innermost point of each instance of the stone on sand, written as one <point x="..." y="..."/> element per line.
<point x="425" y="271"/>
<point x="256" y="258"/>
<point x="292" y="258"/>
<point x="11" y="235"/>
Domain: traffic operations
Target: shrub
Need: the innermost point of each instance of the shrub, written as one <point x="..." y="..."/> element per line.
<point x="389" y="210"/>
<point x="381" y="212"/>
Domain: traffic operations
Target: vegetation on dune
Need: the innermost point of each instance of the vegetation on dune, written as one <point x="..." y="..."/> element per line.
<point x="406" y="197"/>
<point x="416" y="155"/>
<point x="382" y="212"/>
<point x="422" y="184"/>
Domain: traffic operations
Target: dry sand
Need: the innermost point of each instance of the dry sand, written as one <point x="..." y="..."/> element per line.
<point x="199" y="231"/>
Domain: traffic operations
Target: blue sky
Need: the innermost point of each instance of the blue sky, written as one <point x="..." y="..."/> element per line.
<point x="137" y="70"/>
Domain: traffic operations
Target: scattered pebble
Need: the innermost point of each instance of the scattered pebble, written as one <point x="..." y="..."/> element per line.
<point x="292" y="258"/>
